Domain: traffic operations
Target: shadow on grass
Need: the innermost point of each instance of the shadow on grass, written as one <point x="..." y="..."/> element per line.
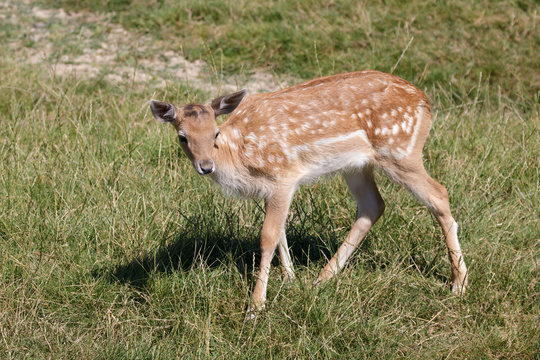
<point x="209" y="242"/>
<point x="204" y="242"/>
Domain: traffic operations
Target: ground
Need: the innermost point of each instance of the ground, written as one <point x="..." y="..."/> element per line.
<point x="112" y="247"/>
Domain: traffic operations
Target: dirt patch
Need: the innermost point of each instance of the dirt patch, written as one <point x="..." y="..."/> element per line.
<point x="89" y="45"/>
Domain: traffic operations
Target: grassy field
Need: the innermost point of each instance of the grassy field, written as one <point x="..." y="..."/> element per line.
<point x="112" y="247"/>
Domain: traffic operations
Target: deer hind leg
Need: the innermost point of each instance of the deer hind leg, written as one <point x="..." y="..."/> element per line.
<point x="435" y="197"/>
<point x="370" y="206"/>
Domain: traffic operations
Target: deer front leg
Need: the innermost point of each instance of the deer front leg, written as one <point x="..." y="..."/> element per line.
<point x="285" y="257"/>
<point x="272" y="232"/>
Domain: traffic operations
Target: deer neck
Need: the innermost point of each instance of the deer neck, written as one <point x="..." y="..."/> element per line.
<point x="231" y="173"/>
<point x="226" y="154"/>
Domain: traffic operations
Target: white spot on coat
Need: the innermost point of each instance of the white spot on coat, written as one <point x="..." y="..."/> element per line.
<point x="235" y="133"/>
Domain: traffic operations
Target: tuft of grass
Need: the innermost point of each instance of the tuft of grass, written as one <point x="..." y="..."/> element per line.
<point x="112" y="246"/>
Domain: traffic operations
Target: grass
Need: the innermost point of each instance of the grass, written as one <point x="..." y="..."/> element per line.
<point x="112" y="246"/>
<point x="453" y="43"/>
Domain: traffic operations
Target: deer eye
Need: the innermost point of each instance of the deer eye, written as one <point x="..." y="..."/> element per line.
<point x="217" y="134"/>
<point x="182" y="137"/>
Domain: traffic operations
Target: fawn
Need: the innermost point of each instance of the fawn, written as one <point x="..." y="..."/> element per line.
<point x="273" y="142"/>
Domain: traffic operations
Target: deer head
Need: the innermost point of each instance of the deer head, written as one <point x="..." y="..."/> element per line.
<point x="197" y="127"/>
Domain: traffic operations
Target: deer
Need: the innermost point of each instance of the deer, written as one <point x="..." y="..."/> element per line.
<point x="352" y="124"/>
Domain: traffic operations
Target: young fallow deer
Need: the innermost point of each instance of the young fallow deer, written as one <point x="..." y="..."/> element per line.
<point x="349" y="123"/>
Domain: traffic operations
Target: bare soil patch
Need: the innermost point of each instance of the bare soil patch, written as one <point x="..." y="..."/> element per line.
<point x="90" y="45"/>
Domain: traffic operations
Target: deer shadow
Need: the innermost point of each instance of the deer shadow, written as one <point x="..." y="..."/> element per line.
<point x="203" y="242"/>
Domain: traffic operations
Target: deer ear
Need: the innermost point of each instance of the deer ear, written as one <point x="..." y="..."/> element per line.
<point x="163" y="111"/>
<point x="227" y="103"/>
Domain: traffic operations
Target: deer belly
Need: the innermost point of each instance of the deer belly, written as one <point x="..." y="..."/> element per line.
<point x="351" y="161"/>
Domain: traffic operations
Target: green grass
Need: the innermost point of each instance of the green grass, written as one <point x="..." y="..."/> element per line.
<point x="112" y="247"/>
<point x="453" y="43"/>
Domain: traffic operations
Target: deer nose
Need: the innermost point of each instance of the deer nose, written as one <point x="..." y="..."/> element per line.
<point x="207" y="167"/>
